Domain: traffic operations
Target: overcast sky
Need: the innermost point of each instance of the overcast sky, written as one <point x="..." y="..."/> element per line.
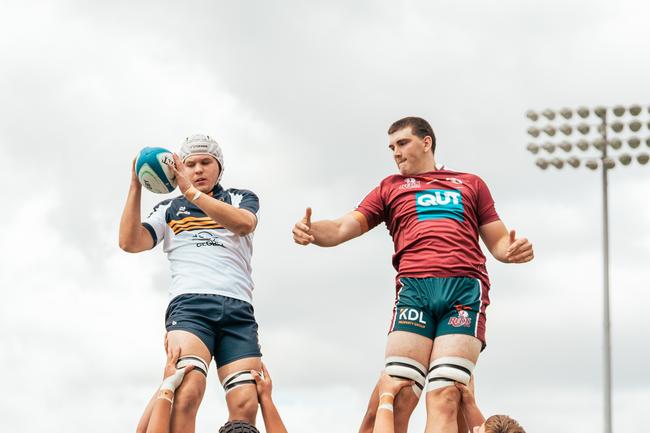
<point x="300" y="95"/>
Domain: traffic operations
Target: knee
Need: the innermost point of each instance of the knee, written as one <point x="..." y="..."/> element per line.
<point x="244" y="408"/>
<point x="444" y="401"/>
<point x="188" y="399"/>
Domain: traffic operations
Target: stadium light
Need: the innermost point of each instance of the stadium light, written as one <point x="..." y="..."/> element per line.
<point x="532" y="115"/>
<point x="625" y="159"/>
<point x="566" y="113"/>
<point x="549" y="114"/>
<point x="542" y="163"/>
<point x="635" y="126"/>
<point x="532" y="148"/>
<point x="566" y="129"/>
<point x="582" y="145"/>
<point x="616" y="143"/>
<point x="573" y="162"/>
<point x="602" y="136"/>
<point x="583" y="112"/>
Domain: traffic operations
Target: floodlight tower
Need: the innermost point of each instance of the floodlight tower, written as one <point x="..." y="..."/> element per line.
<point x="594" y="131"/>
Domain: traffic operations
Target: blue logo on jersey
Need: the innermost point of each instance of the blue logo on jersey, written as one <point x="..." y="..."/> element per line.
<point x="436" y="204"/>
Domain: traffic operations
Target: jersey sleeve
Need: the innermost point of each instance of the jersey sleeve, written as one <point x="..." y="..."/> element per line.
<point x="156" y="222"/>
<point x="247" y="200"/>
<point x="372" y="207"/>
<point x="485" y="205"/>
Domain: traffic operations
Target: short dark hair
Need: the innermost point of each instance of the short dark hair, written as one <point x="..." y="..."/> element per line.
<point x="419" y="127"/>
<point x="502" y="424"/>
<point x="238" y="427"/>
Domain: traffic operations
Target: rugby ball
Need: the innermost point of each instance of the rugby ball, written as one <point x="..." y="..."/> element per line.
<point x="154" y="173"/>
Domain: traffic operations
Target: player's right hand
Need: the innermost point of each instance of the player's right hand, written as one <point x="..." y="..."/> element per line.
<point x="302" y="234"/>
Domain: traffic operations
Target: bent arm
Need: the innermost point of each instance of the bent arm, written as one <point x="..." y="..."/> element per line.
<point x="329" y="233"/>
<point x="238" y="221"/>
<point x="134" y="238"/>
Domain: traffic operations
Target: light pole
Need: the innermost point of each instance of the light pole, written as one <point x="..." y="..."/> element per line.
<point x="594" y="131"/>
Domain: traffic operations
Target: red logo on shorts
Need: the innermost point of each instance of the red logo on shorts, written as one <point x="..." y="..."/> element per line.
<point x="463" y="319"/>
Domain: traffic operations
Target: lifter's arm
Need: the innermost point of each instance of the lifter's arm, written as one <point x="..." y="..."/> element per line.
<point x="272" y="421"/>
<point x="134" y="238"/>
<point x="504" y="245"/>
<point x="238" y="221"/>
<point x="469" y="408"/>
<point x="329" y="233"/>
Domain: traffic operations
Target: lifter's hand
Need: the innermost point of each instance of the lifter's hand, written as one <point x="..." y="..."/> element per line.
<point x="390" y="385"/>
<point x="263" y="383"/>
<point x="302" y="230"/>
<point x="519" y="250"/>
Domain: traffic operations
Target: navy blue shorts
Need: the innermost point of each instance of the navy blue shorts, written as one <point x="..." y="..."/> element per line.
<point x="226" y="326"/>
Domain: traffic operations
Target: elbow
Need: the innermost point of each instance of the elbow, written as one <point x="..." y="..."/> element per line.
<point x="244" y="229"/>
<point x="126" y="246"/>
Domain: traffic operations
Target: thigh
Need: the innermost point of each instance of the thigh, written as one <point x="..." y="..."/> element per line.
<point x="460" y="345"/>
<point x="189" y="344"/>
<point x="409" y="345"/>
<point x="240" y="394"/>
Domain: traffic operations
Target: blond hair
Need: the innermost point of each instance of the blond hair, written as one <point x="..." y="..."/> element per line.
<point x="502" y="424"/>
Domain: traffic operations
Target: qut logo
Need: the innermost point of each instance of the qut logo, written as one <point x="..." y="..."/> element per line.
<point x="439" y="204"/>
<point x="412" y="315"/>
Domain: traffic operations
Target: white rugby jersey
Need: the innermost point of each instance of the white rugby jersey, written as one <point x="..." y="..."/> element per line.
<point x="204" y="256"/>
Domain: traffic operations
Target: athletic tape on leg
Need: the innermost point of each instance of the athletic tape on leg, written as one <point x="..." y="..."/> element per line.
<point x="401" y="367"/>
<point x="197" y="362"/>
<point x="239" y="378"/>
<point x="447" y="370"/>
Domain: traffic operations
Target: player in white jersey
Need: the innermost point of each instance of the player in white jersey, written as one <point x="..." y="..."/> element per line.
<point x="207" y="233"/>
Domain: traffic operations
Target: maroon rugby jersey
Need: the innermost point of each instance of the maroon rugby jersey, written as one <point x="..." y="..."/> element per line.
<point x="434" y="219"/>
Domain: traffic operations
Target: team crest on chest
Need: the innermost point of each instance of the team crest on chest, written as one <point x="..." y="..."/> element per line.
<point x="409" y="183"/>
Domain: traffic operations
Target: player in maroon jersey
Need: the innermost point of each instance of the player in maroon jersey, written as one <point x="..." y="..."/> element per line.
<point x="435" y="217"/>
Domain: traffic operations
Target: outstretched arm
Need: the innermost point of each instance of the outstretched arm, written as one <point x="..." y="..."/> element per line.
<point x="134" y="238"/>
<point x="162" y="407"/>
<point x="329" y="233"/>
<point x="387" y="388"/>
<point x="504" y="245"/>
<point x="272" y="421"/>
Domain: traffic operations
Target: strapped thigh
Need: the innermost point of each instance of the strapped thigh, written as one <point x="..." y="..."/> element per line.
<point x="447" y="370"/>
<point x="404" y="368"/>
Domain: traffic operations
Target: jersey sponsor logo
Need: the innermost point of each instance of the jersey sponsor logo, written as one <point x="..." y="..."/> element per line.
<point x="411" y="316"/>
<point x="182" y="211"/>
<point x="207" y="239"/>
<point x="439" y="204"/>
<point x="410" y="183"/>
<point x="462" y="320"/>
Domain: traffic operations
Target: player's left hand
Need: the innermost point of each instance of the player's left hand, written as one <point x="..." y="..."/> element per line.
<point x="170" y="366"/>
<point x="519" y="250"/>
<point x="183" y="182"/>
